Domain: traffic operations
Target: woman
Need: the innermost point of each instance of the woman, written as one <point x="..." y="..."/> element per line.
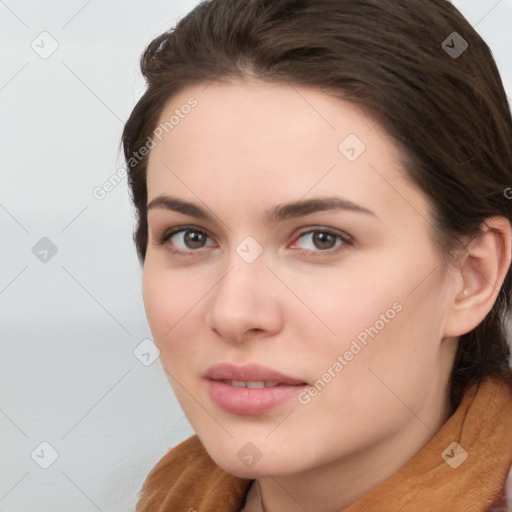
<point x="324" y="224"/>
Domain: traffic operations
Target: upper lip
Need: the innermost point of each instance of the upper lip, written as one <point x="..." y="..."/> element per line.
<point x="249" y="373"/>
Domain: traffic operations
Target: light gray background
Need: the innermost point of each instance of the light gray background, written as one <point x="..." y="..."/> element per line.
<point x="69" y="376"/>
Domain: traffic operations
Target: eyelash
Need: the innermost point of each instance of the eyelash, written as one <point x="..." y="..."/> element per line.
<point x="347" y="240"/>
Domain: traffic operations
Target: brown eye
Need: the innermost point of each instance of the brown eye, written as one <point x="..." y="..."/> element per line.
<point x="194" y="239"/>
<point x="323" y="240"/>
<point x="185" y="239"/>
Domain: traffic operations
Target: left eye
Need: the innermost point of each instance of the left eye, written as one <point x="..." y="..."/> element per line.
<point x="324" y="239"/>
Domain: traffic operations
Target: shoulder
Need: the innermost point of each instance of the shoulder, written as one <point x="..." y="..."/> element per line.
<point x="504" y="504"/>
<point x="167" y="472"/>
<point x="187" y="478"/>
<point x="508" y="490"/>
<point x="188" y="452"/>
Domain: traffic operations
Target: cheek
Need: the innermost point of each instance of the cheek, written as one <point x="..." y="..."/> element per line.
<point x="165" y="302"/>
<point x="376" y="303"/>
<point x="173" y="310"/>
<point x="346" y="302"/>
<point x="156" y="300"/>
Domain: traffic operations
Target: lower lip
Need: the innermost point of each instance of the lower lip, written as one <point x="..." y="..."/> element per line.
<point x="250" y="400"/>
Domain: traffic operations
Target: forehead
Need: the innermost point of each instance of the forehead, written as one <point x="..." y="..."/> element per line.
<point x="264" y="141"/>
<point x="260" y="116"/>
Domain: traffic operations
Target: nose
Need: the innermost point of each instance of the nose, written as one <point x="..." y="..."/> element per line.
<point x="246" y="302"/>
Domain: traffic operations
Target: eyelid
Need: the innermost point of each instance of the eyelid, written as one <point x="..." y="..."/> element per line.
<point x="162" y="240"/>
<point x="346" y="240"/>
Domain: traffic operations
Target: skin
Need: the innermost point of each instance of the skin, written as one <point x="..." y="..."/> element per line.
<point x="247" y="147"/>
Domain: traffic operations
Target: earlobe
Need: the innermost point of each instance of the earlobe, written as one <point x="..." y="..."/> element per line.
<point x="483" y="267"/>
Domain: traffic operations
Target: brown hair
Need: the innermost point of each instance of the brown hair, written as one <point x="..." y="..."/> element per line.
<point x="398" y="60"/>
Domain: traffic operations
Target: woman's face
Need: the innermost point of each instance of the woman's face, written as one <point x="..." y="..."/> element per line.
<point x="348" y="301"/>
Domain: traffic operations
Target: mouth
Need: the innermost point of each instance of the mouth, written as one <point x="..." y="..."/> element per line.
<point x="251" y="389"/>
<point x="250" y="374"/>
<point x="251" y="384"/>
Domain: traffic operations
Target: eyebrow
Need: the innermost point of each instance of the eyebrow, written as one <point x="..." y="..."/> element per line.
<point x="278" y="213"/>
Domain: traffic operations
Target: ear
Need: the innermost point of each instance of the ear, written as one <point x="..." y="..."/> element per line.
<point x="481" y="270"/>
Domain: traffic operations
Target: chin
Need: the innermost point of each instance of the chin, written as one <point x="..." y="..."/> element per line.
<point x="257" y="471"/>
<point x="241" y="465"/>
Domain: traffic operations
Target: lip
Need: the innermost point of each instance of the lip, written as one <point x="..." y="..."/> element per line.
<point x="249" y="401"/>
<point x="249" y="372"/>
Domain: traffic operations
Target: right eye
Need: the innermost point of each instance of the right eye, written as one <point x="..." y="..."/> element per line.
<point x="187" y="238"/>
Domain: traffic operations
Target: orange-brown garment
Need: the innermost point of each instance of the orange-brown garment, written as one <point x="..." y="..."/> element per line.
<point x="187" y="479"/>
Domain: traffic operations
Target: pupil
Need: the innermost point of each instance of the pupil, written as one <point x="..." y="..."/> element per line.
<point x="320" y="238"/>
<point x="192" y="237"/>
